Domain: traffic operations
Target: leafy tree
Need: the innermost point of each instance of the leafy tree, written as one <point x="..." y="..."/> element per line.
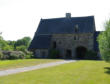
<point x="21" y="48"/>
<point x="1" y="55"/>
<point x="24" y="41"/>
<point x="104" y="42"/>
<point x="11" y="43"/>
<point x="3" y="43"/>
<point x="8" y="47"/>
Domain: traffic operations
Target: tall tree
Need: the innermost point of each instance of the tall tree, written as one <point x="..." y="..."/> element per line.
<point x="23" y="42"/>
<point x="104" y="42"/>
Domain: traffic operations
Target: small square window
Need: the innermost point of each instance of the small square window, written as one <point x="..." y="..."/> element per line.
<point x="74" y="37"/>
<point x="76" y="28"/>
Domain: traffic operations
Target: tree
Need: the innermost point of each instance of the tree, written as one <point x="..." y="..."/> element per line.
<point x="24" y="41"/>
<point x="104" y="42"/>
<point x="21" y="48"/>
<point x="3" y="43"/>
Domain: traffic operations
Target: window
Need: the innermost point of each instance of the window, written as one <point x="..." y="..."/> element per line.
<point x="59" y="42"/>
<point x="54" y="44"/>
<point x="43" y="54"/>
<point x="74" y="37"/>
<point x="76" y="28"/>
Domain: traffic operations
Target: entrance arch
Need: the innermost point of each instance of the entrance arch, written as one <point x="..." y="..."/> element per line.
<point x="80" y="52"/>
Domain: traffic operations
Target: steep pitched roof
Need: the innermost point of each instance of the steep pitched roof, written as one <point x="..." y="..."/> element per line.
<point x="40" y="42"/>
<point x="66" y="25"/>
<point x="47" y="27"/>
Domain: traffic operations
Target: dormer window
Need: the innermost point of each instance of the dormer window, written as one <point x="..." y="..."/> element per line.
<point x="76" y="28"/>
<point x="74" y="37"/>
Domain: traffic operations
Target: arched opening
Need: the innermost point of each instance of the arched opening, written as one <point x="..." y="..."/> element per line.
<point x="80" y="52"/>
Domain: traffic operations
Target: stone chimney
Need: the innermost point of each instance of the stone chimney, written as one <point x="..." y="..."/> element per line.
<point x="68" y="15"/>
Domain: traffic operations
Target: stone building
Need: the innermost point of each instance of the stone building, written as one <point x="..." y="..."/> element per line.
<point x="72" y="36"/>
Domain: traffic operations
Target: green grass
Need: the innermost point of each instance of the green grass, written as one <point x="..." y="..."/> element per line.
<point x="81" y="72"/>
<point x="8" y="64"/>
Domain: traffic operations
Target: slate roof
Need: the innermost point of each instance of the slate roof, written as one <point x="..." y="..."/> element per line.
<point x="47" y="27"/>
<point x="40" y="42"/>
<point x="66" y="25"/>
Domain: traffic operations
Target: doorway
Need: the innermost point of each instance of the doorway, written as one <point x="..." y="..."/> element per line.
<point x="68" y="54"/>
<point x="80" y="52"/>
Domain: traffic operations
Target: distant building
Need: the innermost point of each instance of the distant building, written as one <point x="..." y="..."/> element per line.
<point x="72" y="36"/>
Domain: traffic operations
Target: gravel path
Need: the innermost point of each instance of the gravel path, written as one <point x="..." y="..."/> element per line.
<point x="18" y="70"/>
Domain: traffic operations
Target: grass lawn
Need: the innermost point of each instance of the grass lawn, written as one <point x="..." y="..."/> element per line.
<point x="8" y="64"/>
<point x="81" y="72"/>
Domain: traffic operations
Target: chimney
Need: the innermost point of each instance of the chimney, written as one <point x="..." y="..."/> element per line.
<point x="68" y="15"/>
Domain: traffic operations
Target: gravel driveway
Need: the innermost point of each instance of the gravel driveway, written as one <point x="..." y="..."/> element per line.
<point x="40" y="66"/>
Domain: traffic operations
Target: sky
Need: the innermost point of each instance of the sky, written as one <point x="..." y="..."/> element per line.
<point x="20" y="18"/>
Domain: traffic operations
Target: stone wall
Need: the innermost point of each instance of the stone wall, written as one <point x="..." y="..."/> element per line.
<point x="72" y="41"/>
<point x="66" y="42"/>
<point x="41" y="53"/>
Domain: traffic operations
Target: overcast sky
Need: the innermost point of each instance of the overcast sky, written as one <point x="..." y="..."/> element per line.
<point x="19" y="18"/>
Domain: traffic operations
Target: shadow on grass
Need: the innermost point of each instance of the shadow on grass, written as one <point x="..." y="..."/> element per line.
<point x="107" y="70"/>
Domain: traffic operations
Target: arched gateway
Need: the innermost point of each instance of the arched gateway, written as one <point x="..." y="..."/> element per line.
<point x="80" y="52"/>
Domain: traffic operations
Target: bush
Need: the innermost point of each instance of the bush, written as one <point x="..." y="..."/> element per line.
<point x="54" y="53"/>
<point x="1" y="55"/>
<point x="13" y="55"/>
<point x="8" y="48"/>
<point x="28" y="55"/>
<point x="21" y="48"/>
<point x="91" y="55"/>
<point x="17" y="55"/>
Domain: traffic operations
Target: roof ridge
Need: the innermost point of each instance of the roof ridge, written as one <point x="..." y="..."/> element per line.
<point x="67" y="18"/>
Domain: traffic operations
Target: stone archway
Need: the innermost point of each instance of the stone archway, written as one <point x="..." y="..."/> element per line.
<point x="80" y="52"/>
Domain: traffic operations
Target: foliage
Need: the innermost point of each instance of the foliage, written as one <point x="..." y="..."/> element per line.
<point x="24" y="41"/>
<point x="3" y="43"/>
<point x="7" y="47"/>
<point x="15" y="49"/>
<point x="104" y="42"/>
<point x="21" y="48"/>
<point x="28" y="54"/>
<point x="1" y="55"/>
<point x="54" y="53"/>
<point x="12" y="55"/>
<point x="91" y="55"/>
<point x="16" y="55"/>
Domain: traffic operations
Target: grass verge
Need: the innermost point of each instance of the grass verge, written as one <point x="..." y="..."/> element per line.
<point x="9" y="64"/>
<point x="81" y="72"/>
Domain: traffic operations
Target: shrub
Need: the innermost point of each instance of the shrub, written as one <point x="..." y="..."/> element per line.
<point x="54" y="53"/>
<point x="8" y="48"/>
<point x="5" y="55"/>
<point x="21" y="48"/>
<point x="13" y="55"/>
<point x="1" y="55"/>
<point x="17" y="55"/>
<point x="91" y="55"/>
<point x="28" y="54"/>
